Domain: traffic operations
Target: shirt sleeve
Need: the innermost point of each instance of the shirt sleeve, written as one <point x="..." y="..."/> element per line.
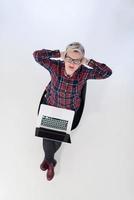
<point x="43" y="57"/>
<point x="99" y="71"/>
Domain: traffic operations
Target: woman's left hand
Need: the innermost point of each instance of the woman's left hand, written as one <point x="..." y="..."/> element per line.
<point x="85" y="61"/>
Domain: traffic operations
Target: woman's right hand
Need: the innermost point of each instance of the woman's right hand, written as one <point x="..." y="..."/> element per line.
<point x="62" y="55"/>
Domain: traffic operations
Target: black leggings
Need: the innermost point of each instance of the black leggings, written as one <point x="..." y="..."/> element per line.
<point x="50" y="147"/>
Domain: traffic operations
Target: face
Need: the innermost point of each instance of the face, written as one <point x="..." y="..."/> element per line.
<point x="72" y="61"/>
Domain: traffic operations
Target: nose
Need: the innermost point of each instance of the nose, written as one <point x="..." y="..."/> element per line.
<point x="71" y="64"/>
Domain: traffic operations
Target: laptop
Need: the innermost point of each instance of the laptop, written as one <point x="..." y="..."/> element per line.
<point x="54" y="123"/>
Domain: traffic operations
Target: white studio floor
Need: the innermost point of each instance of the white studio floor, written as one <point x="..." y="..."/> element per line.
<point x="99" y="163"/>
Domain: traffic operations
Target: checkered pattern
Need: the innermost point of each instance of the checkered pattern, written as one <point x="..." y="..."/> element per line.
<point x="62" y="91"/>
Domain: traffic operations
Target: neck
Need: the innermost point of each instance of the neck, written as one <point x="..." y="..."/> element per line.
<point x="67" y="75"/>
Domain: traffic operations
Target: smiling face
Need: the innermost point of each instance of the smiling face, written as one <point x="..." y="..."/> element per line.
<point x="72" y="61"/>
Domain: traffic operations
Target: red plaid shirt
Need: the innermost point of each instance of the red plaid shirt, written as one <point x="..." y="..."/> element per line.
<point x="65" y="91"/>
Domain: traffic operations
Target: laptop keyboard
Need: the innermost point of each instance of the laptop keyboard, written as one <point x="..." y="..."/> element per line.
<point x="54" y="123"/>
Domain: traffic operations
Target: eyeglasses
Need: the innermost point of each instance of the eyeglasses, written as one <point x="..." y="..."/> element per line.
<point x="71" y="60"/>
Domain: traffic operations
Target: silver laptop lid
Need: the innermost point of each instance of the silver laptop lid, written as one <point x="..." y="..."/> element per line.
<point x="55" y="118"/>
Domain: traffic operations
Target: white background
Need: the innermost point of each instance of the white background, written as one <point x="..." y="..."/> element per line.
<point x="99" y="164"/>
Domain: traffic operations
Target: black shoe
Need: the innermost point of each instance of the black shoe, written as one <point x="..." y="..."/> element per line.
<point x="44" y="165"/>
<point x="50" y="171"/>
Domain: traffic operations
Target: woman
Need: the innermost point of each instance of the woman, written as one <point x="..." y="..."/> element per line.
<point x="68" y="77"/>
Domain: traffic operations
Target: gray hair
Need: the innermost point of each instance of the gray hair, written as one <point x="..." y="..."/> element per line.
<point x="76" y="46"/>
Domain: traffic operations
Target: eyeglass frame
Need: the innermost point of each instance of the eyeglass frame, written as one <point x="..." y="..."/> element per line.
<point x="72" y="60"/>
